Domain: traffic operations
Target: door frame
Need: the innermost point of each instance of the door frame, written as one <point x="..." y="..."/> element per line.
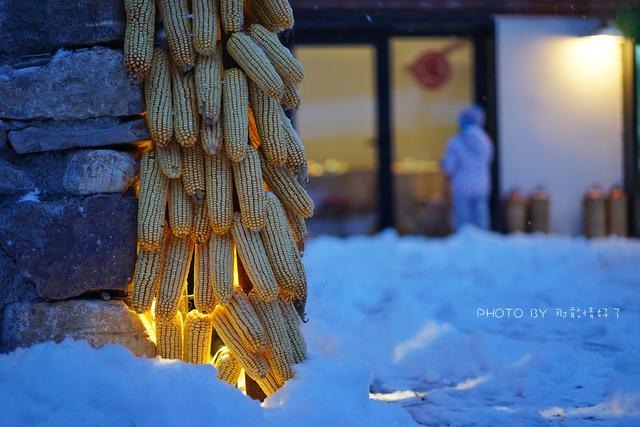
<point x="376" y="29"/>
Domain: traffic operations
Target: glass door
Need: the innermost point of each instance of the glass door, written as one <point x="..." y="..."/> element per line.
<point x="336" y="122"/>
<point x="431" y="82"/>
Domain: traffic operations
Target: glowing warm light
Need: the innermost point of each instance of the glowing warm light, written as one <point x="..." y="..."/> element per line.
<point x="145" y="145"/>
<point x="335" y="166"/>
<point x="591" y="59"/>
<point x="315" y="168"/>
<point x="242" y="384"/>
<point x="147" y="321"/>
<point x="395" y="396"/>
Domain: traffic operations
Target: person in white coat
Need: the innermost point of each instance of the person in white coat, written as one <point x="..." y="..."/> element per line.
<point x="467" y="160"/>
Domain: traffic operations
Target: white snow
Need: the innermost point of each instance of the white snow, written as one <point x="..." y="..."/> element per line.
<point x="30" y="196"/>
<point x="395" y="317"/>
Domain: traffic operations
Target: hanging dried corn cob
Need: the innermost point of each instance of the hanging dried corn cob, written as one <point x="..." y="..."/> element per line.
<point x="159" y="99"/>
<point x="290" y="98"/>
<point x="247" y="175"/>
<point x="227" y="366"/>
<point x="169" y="336"/>
<point x="170" y="159"/>
<point x="193" y="174"/>
<point x="153" y="202"/>
<point x="180" y="209"/>
<point x="255" y="64"/>
<point x="138" y="38"/>
<point x="283" y="61"/>
<point x="197" y="337"/>
<point x="267" y="113"/>
<point x="255" y="261"/>
<point x="219" y="192"/>
<point x="208" y="78"/>
<point x="185" y="104"/>
<point x="221" y="253"/>
<point x="235" y="116"/>
<point x="177" y="24"/>
<point x="214" y="155"/>
<point x="174" y="277"/>
<point x="203" y="296"/>
<point x="205" y="26"/>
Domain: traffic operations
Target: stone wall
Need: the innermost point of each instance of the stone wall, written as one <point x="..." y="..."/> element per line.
<point x="69" y="124"/>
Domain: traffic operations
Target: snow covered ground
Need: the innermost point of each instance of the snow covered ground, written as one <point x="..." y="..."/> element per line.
<point x="406" y="320"/>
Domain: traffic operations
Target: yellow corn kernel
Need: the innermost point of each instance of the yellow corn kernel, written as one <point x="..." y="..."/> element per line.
<point x="293" y="330"/>
<point x="219" y="192"/>
<point x="231" y="15"/>
<point x="208" y="80"/>
<point x="197" y="337"/>
<point x="170" y="159"/>
<point x="152" y="203"/>
<point x="180" y="209"/>
<point x="253" y="363"/>
<point x="254" y="259"/>
<point x="279" y="351"/>
<point x="177" y="24"/>
<point x="169" y="337"/>
<point x="267" y="113"/>
<point x="227" y="367"/>
<point x="177" y="261"/>
<point x="255" y="64"/>
<point x="246" y="322"/>
<point x="221" y="254"/>
<point x="138" y="37"/>
<point x="203" y="296"/>
<point x="205" y="26"/>
<point x="193" y="173"/>
<point x="201" y="230"/>
<point x="281" y="58"/>
<point x="289" y="191"/>
<point x="159" y="99"/>
<point x="185" y="104"/>
<point x="247" y="176"/>
<point x="235" y="106"/>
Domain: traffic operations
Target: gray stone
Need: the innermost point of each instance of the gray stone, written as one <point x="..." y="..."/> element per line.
<point x="75" y="85"/>
<point x="99" y="171"/>
<point x="13" y="180"/>
<point x="35" y="26"/>
<point x="49" y="136"/>
<point x="3" y="135"/>
<point x="70" y="247"/>
<point x="97" y="322"/>
<point x="13" y="287"/>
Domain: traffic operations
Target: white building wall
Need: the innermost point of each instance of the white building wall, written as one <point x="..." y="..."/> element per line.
<point x="560" y="111"/>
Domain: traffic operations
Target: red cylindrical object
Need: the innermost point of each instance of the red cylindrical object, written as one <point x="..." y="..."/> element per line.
<point x="595" y="213"/>
<point x="515" y="206"/>
<point x="617" y="219"/>
<point x="539" y="217"/>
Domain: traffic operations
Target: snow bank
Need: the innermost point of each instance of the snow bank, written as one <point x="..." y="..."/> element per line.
<point x="397" y="316"/>
<point x="408" y="308"/>
<point x="71" y="384"/>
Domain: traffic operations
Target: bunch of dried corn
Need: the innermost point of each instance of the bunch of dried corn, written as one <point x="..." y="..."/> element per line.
<point x="220" y="139"/>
